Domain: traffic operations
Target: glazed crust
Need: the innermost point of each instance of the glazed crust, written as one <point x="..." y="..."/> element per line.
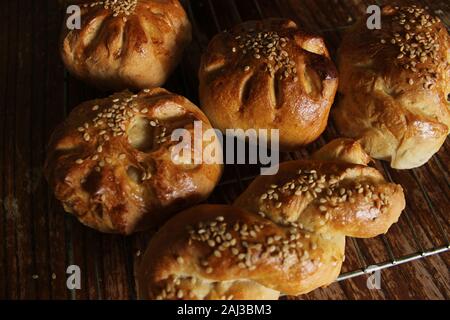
<point x="110" y="163"/>
<point x="119" y="49"/>
<point x="284" y="234"/>
<point x="288" y="82"/>
<point x="394" y="84"/>
<point x="342" y="149"/>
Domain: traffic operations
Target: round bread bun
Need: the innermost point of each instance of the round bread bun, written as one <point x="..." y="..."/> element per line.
<point x="111" y="162"/>
<point x="394" y="84"/>
<point x="126" y="44"/>
<point x="269" y="75"/>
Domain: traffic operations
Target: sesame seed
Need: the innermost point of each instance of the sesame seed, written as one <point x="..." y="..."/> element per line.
<point x="416" y="39"/>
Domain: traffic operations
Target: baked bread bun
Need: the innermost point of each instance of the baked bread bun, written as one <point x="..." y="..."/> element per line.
<point x="126" y="44"/>
<point x="112" y="162"/>
<point x="394" y="84"/>
<point x="285" y="234"/>
<point x="269" y="75"/>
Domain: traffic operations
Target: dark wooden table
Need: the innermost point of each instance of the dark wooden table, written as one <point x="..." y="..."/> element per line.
<point x="39" y="241"/>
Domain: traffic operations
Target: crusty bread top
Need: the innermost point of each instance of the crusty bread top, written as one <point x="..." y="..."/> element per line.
<point x="269" y="74"/>
<point x="127" y="44"/>
<point x="412" y="47"/>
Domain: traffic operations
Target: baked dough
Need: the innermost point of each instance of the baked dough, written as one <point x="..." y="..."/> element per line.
<point x="269" y="74"/>
<point x="394" y="84"/>
<point x="126" y="44"/>
<point x="111" y="164"/>
<point x="284" y="234"/>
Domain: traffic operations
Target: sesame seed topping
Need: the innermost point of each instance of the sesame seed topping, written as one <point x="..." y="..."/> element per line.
<point x="267" y="46"/>
<point x="417" y="42"/>
<point x="326" y="191"/>
<point x="117" y="7"/>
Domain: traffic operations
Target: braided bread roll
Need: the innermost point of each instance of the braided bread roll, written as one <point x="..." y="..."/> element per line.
<point x="285" y="234"/>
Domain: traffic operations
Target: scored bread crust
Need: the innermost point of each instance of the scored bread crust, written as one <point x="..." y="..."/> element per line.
<point x="241" y="87"/>
<point x="284" y="234"/>
<point x="110" y="162"/>
<point x="133" y="48"/>
<point x="394" y="84"/>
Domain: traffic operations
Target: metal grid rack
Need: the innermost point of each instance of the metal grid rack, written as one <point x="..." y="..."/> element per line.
<point x="240" y="178"/>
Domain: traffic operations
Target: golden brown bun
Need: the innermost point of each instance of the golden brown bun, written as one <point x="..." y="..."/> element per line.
<point x="242" y="87"/>
<point x="395" y="83"/>
<point x="129" y="44"/>
<point x="283" y="235"/>
<point x="110" y="163"/>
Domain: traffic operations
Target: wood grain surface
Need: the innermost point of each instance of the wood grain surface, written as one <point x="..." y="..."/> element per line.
<point x="39" y="241"/>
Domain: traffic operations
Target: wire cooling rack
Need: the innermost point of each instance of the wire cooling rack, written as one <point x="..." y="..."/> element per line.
<point x="419" y="233"/>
